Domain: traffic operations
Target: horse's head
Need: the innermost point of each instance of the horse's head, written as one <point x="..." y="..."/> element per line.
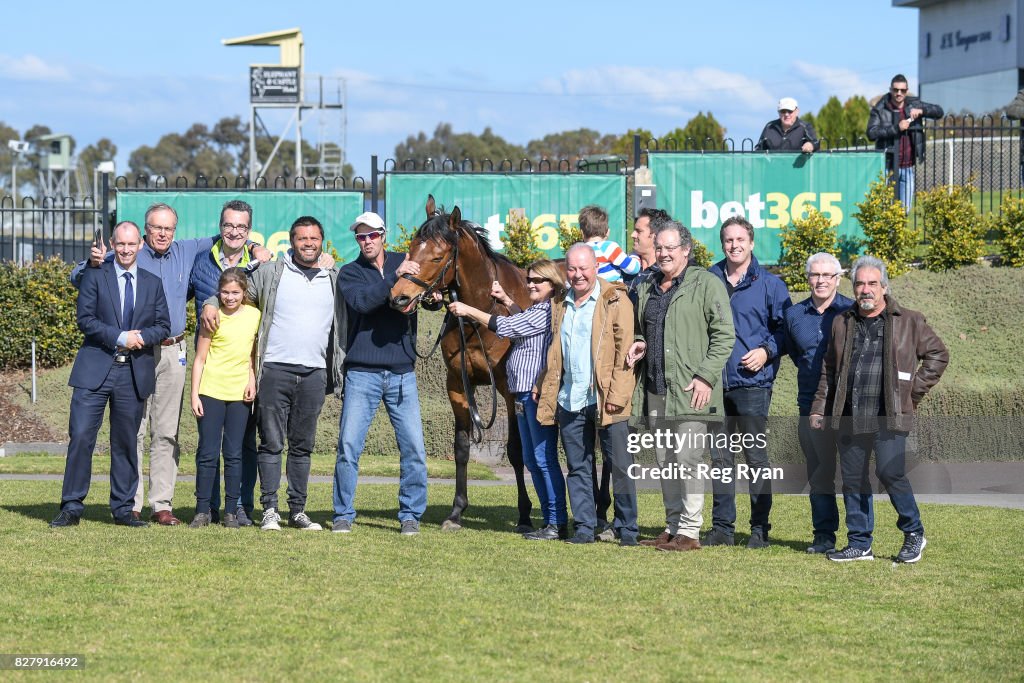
<point x="435" y="248"/>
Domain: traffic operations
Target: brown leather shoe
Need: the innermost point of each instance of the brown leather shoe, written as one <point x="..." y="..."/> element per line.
<point x="662" y="538"/>
<point x="164" y="518"/>
<point x="680" y="542"/>
<point x="136" y="515"/>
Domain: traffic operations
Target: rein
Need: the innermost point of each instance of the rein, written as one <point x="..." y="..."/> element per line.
<point x="467" y="388"/>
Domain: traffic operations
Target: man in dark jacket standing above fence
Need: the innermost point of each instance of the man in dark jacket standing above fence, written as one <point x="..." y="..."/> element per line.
<point x="379" y="367"/>
<point x="788" y="133"/>
<point x="880" y="362"/>
<point x="759" y="301"/>
<point x="895" y="126"/>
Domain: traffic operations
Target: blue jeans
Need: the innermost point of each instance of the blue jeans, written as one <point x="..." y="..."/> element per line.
<point x="819" y="447"/>
<point x="890" y="468"/>
<point x="364" y="391"/>
<point x="746" y="409"/>
<point x="905" y="187"/>
<point x="540" y="455"/>
<point x="579" y="430"/>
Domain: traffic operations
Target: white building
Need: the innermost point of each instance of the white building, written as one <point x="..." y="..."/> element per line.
<point x="971" y="56"/>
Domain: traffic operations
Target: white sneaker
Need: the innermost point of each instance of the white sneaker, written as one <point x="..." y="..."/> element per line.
<point x="301" y="520"/>
<point x="271" y="520"/>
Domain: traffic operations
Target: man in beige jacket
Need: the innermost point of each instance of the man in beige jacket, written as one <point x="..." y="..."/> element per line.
<point x="587" y="388"/>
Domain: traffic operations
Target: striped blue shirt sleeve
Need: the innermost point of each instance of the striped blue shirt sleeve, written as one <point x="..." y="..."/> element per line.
<point x="533" y="321"/>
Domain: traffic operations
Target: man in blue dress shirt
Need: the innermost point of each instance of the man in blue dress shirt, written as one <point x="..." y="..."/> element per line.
<point x="808" y="326"/>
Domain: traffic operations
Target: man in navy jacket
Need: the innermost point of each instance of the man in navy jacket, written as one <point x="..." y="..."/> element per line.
<point x="379" y="366"/>
<point x="759" y="301"/>
<point x="122" y="312"/>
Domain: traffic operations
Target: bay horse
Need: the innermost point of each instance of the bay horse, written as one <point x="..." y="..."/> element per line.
<point x="456" y="260"/>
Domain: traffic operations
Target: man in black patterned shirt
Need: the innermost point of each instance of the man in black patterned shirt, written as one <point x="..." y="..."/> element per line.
<point x="880" y="362"/>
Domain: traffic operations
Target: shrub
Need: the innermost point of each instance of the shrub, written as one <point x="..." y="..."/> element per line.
<point x="953" y="225"/>
<point x="520" y="245"/>
<point x="700" y="255"/>
<point x="806" y="236"/>
<point x="401" y="244"/>
<point x="1010" y="226"/>
<point x="38" y="302"/>
<point x="888" y="232"/>
<point x="568" y="236"/>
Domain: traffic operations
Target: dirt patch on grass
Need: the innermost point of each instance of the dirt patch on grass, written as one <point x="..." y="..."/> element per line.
<point x="17" y="423"/>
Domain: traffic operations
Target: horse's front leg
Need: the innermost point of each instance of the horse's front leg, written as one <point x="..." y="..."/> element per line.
<point x="514" y="452"/>
<point x="460" y="408"/>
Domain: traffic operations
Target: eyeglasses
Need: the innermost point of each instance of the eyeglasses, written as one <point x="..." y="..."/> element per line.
<point x="367" y="236"/>
<point x="536" y="280"/>
<point x="161" y="228"/>
<point x="821" y="276"/>
<point x="667" y="247"/>
<point x="229" y="227"/>
<point x="899" y="90"/>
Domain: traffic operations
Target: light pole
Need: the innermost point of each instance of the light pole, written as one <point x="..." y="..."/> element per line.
<point x="19" y="147"/>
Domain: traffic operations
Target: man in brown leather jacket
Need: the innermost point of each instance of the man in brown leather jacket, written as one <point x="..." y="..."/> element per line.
<point x="880" y="362"/>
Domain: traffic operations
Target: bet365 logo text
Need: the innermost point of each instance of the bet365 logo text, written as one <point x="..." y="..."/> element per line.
<point x="776" y="210"/>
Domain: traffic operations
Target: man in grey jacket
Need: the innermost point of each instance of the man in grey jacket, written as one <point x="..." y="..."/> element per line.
<point x="299" y="361"/>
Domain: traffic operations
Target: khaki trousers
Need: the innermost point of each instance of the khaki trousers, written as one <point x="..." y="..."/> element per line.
<point x="683" y="495"/>
<point x="160" y="418"/>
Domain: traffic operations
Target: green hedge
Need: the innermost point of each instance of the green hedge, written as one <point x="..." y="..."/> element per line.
<point x="37" y="302"/>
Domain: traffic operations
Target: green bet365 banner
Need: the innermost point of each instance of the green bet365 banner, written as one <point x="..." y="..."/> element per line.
<point x="272" y="213"/>
<point x="770" y="190"/>
<point x="487" y="199"/>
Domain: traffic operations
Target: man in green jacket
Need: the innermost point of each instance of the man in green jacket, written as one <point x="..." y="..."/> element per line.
<point x="684" y="334"/>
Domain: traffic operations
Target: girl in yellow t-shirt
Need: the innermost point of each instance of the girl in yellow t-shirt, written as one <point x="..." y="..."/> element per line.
<point x="223" y="389"/>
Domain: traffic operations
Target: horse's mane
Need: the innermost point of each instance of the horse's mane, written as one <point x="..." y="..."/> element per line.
<point x="437" y="228"/>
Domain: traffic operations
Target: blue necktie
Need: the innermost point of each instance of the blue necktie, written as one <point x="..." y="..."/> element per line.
<point x="129" y="302"/>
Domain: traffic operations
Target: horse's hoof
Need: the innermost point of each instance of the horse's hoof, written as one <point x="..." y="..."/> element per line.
<point x="523" y="528"/>
<point x="449" y="525"/>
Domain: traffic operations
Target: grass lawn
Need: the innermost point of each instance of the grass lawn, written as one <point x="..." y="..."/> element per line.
<point x="369" y="466"/>
<point x="212" y="604"/>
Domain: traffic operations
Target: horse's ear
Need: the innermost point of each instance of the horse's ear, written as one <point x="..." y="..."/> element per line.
<point x="431" y="207"/>
<point x="455" y="220"/>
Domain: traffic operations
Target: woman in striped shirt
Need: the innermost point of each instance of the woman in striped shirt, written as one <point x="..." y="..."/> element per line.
<point x="530" y="332"/>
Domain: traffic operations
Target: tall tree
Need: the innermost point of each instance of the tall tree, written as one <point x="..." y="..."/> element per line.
<point x="197" y="151"/>
<point x="831" y="124"/>
<point x="569" y="144"/>
<point x="622" y="146"/>
<point x="102" y="150"/>
<point x="703" y="131"/>
<point x="856" y="111"/>
<point x="447" y="144"/>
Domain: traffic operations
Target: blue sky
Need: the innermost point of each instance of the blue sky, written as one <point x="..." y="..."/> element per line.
<point x="134" y="71"/>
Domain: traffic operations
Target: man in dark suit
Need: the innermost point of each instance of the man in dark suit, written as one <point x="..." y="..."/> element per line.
<point x="122" y="312"/>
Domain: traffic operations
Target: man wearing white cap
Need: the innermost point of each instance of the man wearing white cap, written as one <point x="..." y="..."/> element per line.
<point x="788" y="133"/>
<point x="379" y="363"/>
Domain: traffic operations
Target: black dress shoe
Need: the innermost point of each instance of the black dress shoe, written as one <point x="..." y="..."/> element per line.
<point x="65" y="518"/>
<point x="130" y="521"/>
